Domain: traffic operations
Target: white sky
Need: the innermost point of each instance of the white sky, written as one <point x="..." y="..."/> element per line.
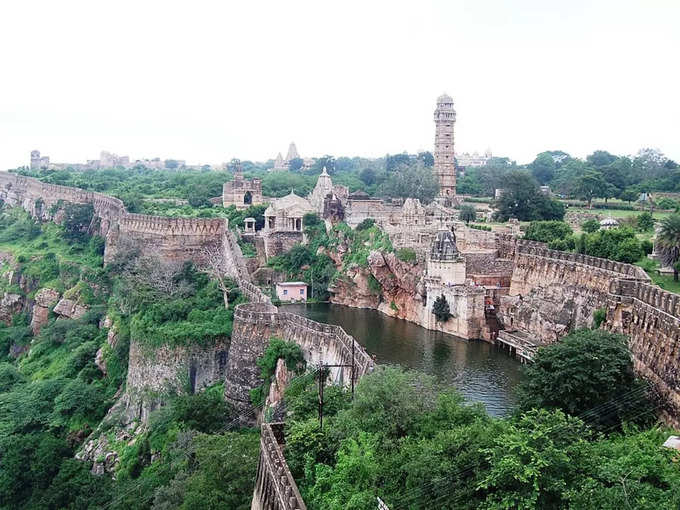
<point x="208" y="81"/>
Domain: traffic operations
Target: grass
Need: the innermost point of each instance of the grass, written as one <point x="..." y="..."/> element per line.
<point x="666" y="282"/>
<point x="616" y="213"/>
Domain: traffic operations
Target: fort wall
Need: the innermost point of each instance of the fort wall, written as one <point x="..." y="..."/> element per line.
<point x="554" y="292"/>
<point x="169" y="238"/>
<point x="256" y="323"/>
<point x="275" y="488"/>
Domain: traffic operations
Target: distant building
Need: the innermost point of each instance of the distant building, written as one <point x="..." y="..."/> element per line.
<point x="241" y="192"/>
<point x="285" y="214"/>
<point x="284" y="164"/>
<point x="38" y="162"/>
<point x="467" y="160"/>
<point x="291" y="291"/>
<point x="608" y="223"/>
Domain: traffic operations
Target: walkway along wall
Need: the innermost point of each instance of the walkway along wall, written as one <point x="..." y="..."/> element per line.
<point x="256" y="323"/>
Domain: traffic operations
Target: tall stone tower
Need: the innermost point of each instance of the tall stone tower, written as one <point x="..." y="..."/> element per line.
<point x="444" y="166"/>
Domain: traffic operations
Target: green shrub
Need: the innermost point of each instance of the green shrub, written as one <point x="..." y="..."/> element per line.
<point x="406" y="255"/>
<point x="546" y="231"/>
<point x="292" y="355"/>
<point x="590" y="226"/>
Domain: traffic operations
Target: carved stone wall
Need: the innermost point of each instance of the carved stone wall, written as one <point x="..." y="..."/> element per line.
<point x="651" y="318"/>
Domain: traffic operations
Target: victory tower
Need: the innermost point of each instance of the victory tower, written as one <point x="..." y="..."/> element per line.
<point x="444" y="166"/>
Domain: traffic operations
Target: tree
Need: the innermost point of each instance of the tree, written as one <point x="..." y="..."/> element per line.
<point x="441" y="309"/>
<point x="629" y="195"/>
<point x="468" y="213"/>
<point x="217" y="267"/>
<point x="426" y="158"/>
<point x="619" y="244"/>
<point x="415" y="181"/>
<point x="668" y="243"/>
<point x="295" y="164"/>
<point x="522" y="199"/>
<point x="543" y="167"/>
<point x="368" y="176"/>
<point x="546" y="231"/>
<point x="590" y="226"/>
<point x="326" y="161"/>
<point x="601" y="158"/>
<point x="394" y="162"/>
<point x="585" y="374"/>
<point x="199" y="196"/>
<point x="77" y="219"/>
<point x="589" y="186"/>
<point x="645" y="222"/>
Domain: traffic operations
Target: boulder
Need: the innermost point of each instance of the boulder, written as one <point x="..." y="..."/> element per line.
<point x="44" y="299"/>
<point x="10" y="304"/>
<point x="70" y="309"/>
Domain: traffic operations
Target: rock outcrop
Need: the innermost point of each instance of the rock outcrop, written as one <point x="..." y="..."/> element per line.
<point x="10" y="304"/>
<point x="70" y="309"/>
<point x="44" y="299"/>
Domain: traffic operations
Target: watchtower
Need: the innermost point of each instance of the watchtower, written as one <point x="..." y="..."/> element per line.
<point x="444" y="165"/>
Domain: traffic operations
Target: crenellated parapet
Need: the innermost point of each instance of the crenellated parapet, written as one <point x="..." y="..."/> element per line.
<point x="275" y="487"/>
<point x="554" y="292"/>
<point x="256" y="323"/>
<point x="169" y="238"/>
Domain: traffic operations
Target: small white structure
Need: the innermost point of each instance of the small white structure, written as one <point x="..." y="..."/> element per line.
<point x="291" y="291"/>
<point x="673" y="442"/>
<point x="608" y="223"/>
<point x="249" y="226"/>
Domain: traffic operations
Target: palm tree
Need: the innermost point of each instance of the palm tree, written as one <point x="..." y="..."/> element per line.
<point x="668" y="243"/>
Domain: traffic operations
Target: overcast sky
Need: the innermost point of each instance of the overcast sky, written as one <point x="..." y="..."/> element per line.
<point x="208" y="81"/>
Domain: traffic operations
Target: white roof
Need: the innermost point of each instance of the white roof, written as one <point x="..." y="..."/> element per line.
<point x="291" y="283"/>
<point x="609" y="221"/>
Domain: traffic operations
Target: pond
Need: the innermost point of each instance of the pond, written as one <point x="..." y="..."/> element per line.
<point x="481" y="372"/>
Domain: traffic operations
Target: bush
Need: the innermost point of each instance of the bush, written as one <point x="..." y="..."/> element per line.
<point x="546" y="231"/>
<point x="365" y="224"/>
<point x="406" y="255"/>
<point x="467" y="213"/>
<point x="290" y="352"/>
<point x="588" y="370"/>
<point x="590" y="226"/>
<point x="645" y="222"/>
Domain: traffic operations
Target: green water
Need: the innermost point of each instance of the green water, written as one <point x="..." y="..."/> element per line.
<point x="483" y="373"/>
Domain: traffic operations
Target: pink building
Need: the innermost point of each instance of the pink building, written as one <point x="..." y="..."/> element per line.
<point x="291" y="291"/>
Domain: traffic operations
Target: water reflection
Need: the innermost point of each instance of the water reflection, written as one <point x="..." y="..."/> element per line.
<point x="479" y="370"/>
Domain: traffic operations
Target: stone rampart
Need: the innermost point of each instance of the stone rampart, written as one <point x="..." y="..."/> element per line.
<point x="553" y="293"/>
<point x="275" y="488"/>
<point x="256" y="323"/>
<point x="650" y="316"/>
<point x="170" y="238"/>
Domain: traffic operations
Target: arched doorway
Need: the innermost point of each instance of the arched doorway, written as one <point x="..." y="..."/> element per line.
<point x="248" y="198"/>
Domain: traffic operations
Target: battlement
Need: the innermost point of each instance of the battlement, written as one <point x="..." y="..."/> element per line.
<point x="172" y="226"/>
<point x="659" y="299"/>
<point x="541" y="250"/>
<point x="275" y="486"/>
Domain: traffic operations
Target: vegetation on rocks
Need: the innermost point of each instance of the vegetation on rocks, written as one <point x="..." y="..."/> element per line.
<point x="53" y="393"/>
